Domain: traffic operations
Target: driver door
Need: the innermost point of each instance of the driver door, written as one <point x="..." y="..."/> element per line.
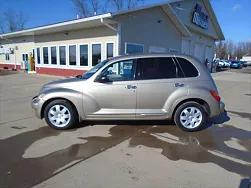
<point x="116" y="98"/>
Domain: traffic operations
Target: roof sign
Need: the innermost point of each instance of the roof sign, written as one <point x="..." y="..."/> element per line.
<point x="200" y="18"/>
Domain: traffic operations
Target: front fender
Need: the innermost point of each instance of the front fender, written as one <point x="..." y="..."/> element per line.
<point x="76" y="97"/>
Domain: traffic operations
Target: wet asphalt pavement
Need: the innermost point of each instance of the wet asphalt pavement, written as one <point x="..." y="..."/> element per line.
<point x="32" y="153"/>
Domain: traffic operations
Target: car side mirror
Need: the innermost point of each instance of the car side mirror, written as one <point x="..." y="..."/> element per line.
<point x="104" y="79"/>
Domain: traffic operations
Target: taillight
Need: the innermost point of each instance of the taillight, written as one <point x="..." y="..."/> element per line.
<point x="215" y="95"/>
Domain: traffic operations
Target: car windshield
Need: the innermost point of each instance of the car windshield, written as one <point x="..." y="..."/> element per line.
<point x="92" y="71"/>
<point x="235" y="62"/>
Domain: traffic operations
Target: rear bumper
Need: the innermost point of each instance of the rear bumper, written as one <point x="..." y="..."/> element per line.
<point x="216" y="108"/>
<point x="222" y="107"/>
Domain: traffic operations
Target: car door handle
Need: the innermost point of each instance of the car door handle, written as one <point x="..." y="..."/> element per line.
<point x="131" y="87"/>
<point x="179" y="85"/>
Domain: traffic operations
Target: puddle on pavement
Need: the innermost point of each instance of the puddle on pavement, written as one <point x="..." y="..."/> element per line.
<point x="211" y="139"/>
<point x="16" y="171"/>
<point x="241" y="114"/>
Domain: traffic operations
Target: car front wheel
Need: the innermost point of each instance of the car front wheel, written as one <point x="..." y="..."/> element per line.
<point x="190" y="116"/>
<point x="60" y="115"/>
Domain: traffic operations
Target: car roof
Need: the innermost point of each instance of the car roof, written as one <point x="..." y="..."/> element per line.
<point x="149" y="55"/>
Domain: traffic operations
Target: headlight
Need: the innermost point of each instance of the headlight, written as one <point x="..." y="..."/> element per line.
<point x="41" y="96"/>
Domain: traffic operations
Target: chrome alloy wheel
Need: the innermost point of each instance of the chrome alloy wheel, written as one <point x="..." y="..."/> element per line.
<point x="191" y="117"/>
<point x="59" y="115"/>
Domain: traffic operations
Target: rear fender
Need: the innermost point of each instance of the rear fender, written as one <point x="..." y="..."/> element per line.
<point x="175" y="96"/>
<point x="202" y="94"/>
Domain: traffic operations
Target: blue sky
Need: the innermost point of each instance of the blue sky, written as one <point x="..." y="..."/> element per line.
<point x="233" y="15"/>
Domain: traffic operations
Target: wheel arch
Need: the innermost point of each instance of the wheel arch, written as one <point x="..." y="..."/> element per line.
<point x="202" y="102"/>
<point x="58" y="98"/>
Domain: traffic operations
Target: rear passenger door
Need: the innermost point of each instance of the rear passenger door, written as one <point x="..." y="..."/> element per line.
<point x="160" y="82"/>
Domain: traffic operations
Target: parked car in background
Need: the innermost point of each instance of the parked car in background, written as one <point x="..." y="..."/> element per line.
<point x="227" y="63"/>
<point x="133" y="87"/>
<point x="244" y="63"/>
<point x="220" y="64"/>
<point x="247" y="62"/>
<point x="236" y="65"/>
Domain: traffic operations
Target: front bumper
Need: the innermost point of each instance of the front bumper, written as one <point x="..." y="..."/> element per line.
<point x="234" y="66"/>
<point x="37" y="104"/>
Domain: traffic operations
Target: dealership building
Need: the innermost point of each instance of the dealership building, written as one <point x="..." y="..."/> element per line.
<point x="73" y="47"/>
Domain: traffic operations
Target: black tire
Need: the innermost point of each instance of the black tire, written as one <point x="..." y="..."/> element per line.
<point x="184" y="106"/>
<point x="72" y="111"/>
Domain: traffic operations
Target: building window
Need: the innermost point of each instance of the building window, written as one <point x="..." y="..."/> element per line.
<point x="54" y="55"/>
<point x="7" y="57"/>
<point x="131" y="48"/>
<point x="62" y="55"/>
<point x="45" y="55"/>
<point x="25" y="57"/>
<point x="158" y="68"/>
<point x="83" y="51"/>
<point x="72" y="55"/>
<point x="109" y="50"/>
<point x="96" y="54"/>
<point x="38" y="55"/>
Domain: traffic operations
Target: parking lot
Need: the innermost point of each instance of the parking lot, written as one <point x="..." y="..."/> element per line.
<point x="124" y="154"/>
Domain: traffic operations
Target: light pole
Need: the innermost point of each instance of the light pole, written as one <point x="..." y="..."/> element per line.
<point x="15" y="64"/>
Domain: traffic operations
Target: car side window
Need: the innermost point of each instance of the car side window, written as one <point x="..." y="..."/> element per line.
<point x="120" y="71"/>
<point x="187" y="67"/>
<point x="158" y="68"/>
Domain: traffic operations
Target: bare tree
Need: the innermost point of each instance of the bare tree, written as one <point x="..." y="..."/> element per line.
<point x="95" y="5"/>
<point x="21" y="20"/>
<point x="9" y="17"/>
<point x="242" y="48"/>
<point x="119" y="4"/>
<point x="230" y="47"/>
<point x="81" y="7"/>
<point x="13" y="21"/>
<point x="126" y="4"/>
<point x="87" y="8"/>
<point x="133" y="3"/>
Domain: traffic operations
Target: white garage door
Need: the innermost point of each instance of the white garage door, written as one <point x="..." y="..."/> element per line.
<point x="198" y="51"/>
<point x="185" y="49"/>
<point x="209" y="54"/>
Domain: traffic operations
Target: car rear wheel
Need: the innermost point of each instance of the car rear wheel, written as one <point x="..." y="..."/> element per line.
<point x="190" y="116"/>
<point x="60" y="115"/>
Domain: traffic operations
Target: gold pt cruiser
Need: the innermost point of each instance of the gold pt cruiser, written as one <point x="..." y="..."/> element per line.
<point x="133" y="87"/>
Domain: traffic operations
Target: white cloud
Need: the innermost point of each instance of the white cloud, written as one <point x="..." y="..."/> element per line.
<point x="236" y="7"/>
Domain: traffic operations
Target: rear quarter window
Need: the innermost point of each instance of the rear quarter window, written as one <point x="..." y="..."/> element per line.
<point x="188" y="68"/>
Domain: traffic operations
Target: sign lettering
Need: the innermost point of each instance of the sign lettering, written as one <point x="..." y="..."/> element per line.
<point x="200" y="18"/>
